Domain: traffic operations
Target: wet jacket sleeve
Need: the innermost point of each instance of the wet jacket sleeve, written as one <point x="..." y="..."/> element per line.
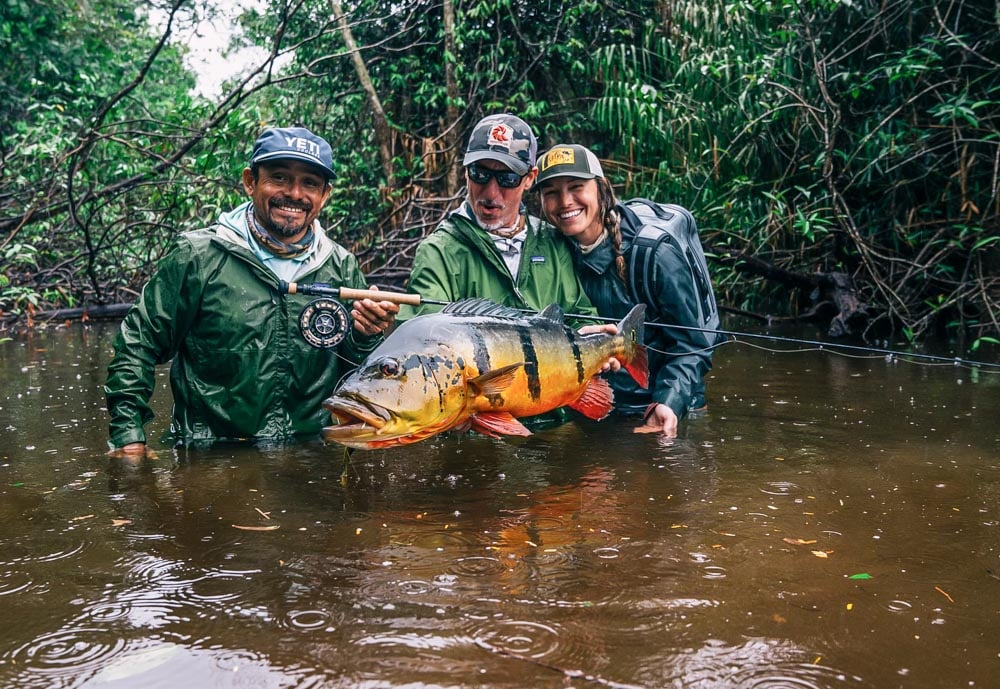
<point x="430" y="278"/>
<point x="149" y="335"/>
<point x="689" y="355"/>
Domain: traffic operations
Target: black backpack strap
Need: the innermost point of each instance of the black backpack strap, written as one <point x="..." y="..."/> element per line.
<point x="661" y="212"/>
<point x="642" y="263"/>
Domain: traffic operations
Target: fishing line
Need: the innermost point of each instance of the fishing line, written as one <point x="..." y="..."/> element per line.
<point x="828" y="349"/>
<point x="323" y="289"/>
<point x="814" y="345"/>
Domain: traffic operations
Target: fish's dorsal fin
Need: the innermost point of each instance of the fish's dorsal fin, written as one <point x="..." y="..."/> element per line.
<point x="552" y="312"/>
<point x="478" y="306"/>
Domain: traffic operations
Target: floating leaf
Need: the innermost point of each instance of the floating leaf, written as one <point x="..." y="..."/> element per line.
<point x="820" y="553"/>
<point x="255" y="528"/>
<point x="798" y="541"/>
<point x="860" y="575"/>
<point x="944" y="593"/>
<point x="120" y="522"/>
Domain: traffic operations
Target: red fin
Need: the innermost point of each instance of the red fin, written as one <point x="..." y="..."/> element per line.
<point x="635" y="360"/>
<point x="497" y="423"/>
<point x="638" y="366"/>
<point x="597" y="399"/>
<point x="496" y="381"/>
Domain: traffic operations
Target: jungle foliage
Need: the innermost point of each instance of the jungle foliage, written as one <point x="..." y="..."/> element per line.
<point x="842" y="156"/>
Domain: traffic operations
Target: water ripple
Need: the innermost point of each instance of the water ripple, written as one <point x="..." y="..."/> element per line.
<point x="307" y="620"/>
<point x="70" y="652"/>
<point x="477" y="566"/>
<point x="792" y="676"/>
<point x="14" y="581"/>
<point x="761" y="663"/>
<point x="780" y="488"/>
<point x="35" y="552"/>
<point x="519" y="637"/>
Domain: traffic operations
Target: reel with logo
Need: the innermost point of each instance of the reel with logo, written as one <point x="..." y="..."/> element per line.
<point x="324" y="323"/>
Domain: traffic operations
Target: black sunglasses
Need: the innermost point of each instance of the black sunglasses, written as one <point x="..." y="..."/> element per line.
<point x="483" y="175"/>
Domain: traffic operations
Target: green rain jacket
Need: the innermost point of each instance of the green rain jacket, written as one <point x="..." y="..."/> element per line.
<point x="241" y="369"/>
<point x="460" y="260"/>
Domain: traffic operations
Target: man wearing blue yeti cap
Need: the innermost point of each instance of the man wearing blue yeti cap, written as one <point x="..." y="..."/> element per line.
<point x="215" y="306"/>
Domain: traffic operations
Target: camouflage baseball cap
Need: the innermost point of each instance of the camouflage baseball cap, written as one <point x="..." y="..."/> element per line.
<point x="504" y="138"/>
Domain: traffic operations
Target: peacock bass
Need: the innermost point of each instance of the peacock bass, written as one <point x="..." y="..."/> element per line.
<point x="478" y="365"/>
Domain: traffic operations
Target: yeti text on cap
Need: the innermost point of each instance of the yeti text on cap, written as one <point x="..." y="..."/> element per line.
<point x="303" y="145"/>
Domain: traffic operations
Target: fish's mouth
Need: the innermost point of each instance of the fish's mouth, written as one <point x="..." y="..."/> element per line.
<point x="354" y="415"/>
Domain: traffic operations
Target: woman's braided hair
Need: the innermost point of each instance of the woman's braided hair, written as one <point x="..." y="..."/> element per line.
<point x="612" y="223"/>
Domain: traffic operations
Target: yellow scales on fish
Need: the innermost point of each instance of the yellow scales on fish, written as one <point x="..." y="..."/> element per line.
<point x="479" y="365"/>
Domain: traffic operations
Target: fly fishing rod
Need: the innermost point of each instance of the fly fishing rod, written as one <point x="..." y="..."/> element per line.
<point x="329" y="320"/>
<point x="323" y="289"/>
<point x="324" y="322"/>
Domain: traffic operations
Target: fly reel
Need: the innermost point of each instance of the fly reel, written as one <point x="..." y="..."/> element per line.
<point x="324" y="323"/>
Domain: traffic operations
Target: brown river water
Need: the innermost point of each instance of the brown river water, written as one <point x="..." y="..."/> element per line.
<point x="831" y="521"/>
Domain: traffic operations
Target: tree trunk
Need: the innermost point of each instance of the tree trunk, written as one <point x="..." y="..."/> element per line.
<point x="383" y="131"/>
<point x="451" y="136"/>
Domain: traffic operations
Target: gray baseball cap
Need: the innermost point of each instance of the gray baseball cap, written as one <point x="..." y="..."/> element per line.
<point x="567" y="160"/>
<point x="505" y="138"/>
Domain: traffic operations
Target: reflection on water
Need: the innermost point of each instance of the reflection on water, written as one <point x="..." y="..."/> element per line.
<point x="830" y="522"/>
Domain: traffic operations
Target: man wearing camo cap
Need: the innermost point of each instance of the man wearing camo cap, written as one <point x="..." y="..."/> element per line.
<point x="490" y="247"/>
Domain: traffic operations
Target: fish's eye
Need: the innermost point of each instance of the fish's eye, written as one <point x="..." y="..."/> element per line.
<point x="389" y="368"/>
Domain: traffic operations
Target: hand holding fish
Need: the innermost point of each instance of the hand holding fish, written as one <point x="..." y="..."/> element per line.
<point x="659" y="419"/>
<point x="612" y="364"/>
<point x="373" y="317"/>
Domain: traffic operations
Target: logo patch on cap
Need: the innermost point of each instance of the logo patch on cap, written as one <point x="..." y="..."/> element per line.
<point x="303" y="145"/>
<point x="558" y="156"/>
<point x="500" y="135"/>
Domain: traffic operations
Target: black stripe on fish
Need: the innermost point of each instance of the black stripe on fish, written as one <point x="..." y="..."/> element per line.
<point x="480" y="351"/>
<point x="530" y="362"/>
<point x="577" y="356"/>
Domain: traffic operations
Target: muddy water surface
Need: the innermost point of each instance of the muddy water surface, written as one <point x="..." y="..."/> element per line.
<point x="830" y="522"/>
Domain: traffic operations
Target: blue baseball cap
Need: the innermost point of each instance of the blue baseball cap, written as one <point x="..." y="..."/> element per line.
<point x="293" y="143"/>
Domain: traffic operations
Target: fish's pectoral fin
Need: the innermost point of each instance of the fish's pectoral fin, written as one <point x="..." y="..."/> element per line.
<point x="597" y="399"/>
<point x="497" y="423"/>
<point x="496" y="381"/>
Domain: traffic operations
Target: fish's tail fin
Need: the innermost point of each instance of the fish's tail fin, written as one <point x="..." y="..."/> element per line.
<point x="632" y="328"/>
